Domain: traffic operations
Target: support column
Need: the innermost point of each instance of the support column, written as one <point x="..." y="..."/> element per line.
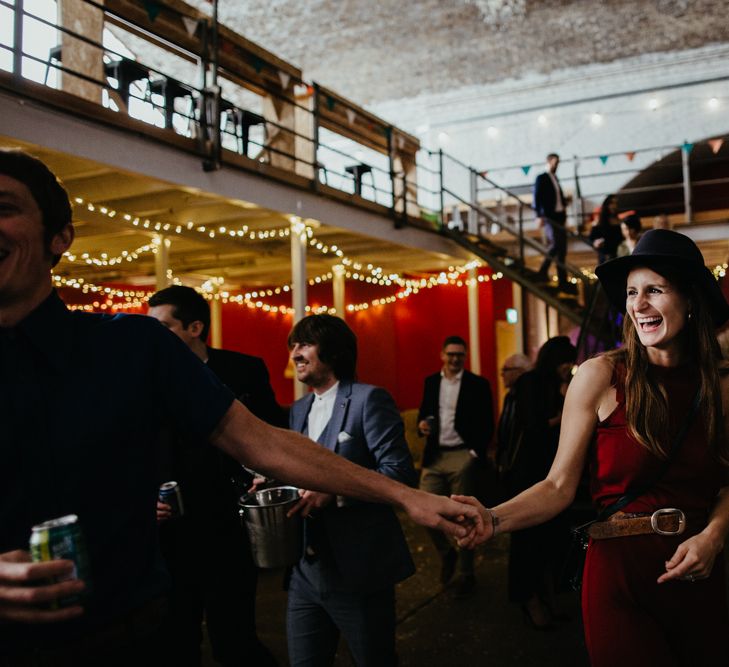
<point x="687" y="204"/>
<point x="298" y="283"/>
<point x="80" y="56"/>
<point x="474" y="329"/>
<point x="162" y="261"/>
<point x="517" y="297"/>
<point x="216" y="322"/>
<point x="338" y="290"/>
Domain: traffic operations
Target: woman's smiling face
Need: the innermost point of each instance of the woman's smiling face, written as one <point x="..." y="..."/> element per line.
<point x="659" y="311"/>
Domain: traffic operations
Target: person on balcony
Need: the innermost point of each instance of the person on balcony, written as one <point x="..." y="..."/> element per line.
<point x="550" y="205"/>
<point x="605" y="234"/>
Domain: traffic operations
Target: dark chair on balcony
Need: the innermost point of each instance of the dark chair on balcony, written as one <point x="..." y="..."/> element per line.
<point x="357" y="171"/>
<point x="241" y="121"/>
<point x="126" y="72"/>
<point x="171" y="89"/>
<point x="55" y="53"/>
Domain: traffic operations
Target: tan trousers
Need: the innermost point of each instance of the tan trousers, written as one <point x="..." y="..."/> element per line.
<point x="450" y="473"/>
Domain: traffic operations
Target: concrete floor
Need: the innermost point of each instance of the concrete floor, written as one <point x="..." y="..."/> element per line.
<point x="435" y="629"/>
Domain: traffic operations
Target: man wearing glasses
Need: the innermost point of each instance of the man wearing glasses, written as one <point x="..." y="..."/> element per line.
<point x="456" y="416"/>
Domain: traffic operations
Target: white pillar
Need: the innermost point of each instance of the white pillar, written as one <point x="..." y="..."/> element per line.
<point x="474" y="329"/>
<point x="517" y="297"/>
<point x="162" y="261"/>
<point x="338" y="289"/>
<point x="298" y="283"/>
<point x="216" y="322"/>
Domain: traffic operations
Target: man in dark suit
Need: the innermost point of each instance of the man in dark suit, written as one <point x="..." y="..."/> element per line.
<point x="206" y="551"/>
<point x="456" y="415"/>
<point x="550" y="205"/>
<point x="355" y="551"/>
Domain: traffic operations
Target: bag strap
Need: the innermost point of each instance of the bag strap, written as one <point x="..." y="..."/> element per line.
<point x="633" y="494"/>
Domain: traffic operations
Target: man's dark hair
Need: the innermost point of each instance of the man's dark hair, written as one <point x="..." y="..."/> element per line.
<point x="552" y="155"/>
<point x="189" y="306"/>
<point x="46" y="190"/>
<point x="336" y="341"/>
<point x="454" y="340"/>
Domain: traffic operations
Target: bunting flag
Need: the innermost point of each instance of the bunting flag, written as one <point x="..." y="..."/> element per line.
<point x="484" y="173"/>
<point x="716" y="145"/>
<point x="227" y="47"/>
<point x="257" y="64"/>
<point x="687" y="147"/>
<point x="400" y="141"/>
<point x="190" y="25"/>
<point x="526" y="168"/>
<point x="604" y="158"/>
<point x="284" y="78"/>
<point x="351" y="116"/>
<point x="630" y="155"/>
<point x="153" y="9"/>
<point x="330" y="103"/>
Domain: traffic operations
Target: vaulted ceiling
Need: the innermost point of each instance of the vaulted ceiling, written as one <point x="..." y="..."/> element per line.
<point x="391" y="49"/>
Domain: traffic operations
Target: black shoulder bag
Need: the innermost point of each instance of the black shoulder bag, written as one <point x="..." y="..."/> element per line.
<point x="574" y="563"/>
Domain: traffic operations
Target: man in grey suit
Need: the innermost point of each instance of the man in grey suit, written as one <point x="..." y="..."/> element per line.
<point x="355" y="551"/>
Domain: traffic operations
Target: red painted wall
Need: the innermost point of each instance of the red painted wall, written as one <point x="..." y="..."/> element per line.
<point x="399" y="343"/>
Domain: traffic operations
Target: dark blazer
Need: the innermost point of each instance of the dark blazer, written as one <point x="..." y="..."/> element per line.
<point x="212" y="481"/>
<point x="362" y="544"/>
<point x="545" y="198"/>
<point x="474" y="414"/>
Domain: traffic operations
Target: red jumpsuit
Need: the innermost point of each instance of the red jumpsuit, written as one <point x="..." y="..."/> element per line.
<point x="630" y="620"/>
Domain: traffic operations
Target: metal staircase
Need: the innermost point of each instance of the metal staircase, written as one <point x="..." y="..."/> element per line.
<point x="587" y="307"/>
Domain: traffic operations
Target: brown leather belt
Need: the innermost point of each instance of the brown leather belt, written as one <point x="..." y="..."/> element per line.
<point x="666" y="521"/>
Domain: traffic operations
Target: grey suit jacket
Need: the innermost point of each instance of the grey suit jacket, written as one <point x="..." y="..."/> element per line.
<point x="361" y="544"/>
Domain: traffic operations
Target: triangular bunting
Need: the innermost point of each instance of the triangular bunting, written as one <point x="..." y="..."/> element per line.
<point x="284" y="78"/>
<point x="687" y="147"/>
<point x="716" y="145"/>
<point x="400" y="141"/>
<point x="484" y="173"/>
<point x="153" y="9"/>
<point x="351" y="116"/>
<point x="190" y="25"/>
<point x="330" y="103"/>
<point x="630" y="155"/>
<point x="526" y="168"/>
<point x="604" y="158"/>
<point x="257" y="64"/>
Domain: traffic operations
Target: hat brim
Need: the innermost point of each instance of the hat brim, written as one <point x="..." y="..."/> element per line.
<point x="613" y="276"/>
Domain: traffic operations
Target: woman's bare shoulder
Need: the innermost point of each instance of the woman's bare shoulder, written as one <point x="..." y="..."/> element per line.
<point x="598" y="369"/>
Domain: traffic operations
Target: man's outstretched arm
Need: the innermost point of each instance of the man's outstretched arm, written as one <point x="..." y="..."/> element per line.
<point x="289" y="456"/>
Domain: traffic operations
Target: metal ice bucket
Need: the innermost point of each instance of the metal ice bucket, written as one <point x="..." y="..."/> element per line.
<point x="276" y="541"/>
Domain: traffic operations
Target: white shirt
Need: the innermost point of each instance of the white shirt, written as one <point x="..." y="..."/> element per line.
<point x="321" y="411"/>
<point x="559" y="206"/>
<point x="447" y="400"/>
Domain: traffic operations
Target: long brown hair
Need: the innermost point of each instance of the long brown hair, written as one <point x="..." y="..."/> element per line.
<point x="646" y="402"/>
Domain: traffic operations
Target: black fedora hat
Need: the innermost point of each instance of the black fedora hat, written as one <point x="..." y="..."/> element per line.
<point x="666" y="247"/>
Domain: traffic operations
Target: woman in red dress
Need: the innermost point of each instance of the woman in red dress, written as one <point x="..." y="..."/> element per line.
<point x="648" y="598"/>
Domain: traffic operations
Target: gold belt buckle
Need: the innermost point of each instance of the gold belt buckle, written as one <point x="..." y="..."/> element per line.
<point x="668" y="511"/>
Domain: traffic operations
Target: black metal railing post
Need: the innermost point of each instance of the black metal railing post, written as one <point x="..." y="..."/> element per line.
<point x="316" y="128"/>
<point x="18" y="38"/>
<point x="442" y="188"/>
<point x="211" y="94"/>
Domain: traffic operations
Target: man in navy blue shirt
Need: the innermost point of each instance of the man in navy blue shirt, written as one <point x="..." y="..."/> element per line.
<point x="83" y="400"/>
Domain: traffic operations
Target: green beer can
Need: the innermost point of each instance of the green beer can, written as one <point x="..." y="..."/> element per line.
<point x="59" y="539"/>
